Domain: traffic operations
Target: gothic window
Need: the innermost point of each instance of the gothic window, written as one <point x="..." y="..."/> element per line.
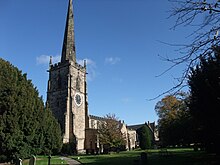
<point x="49" y="85"/>
<point x="98" y="124"/>
<point x="93" y="124"/>
<point x="78" y="82"/>
<point x="58" y="103"/>
<point x="59" y="81"/>
<point x="133" y="141"/>
<point x="90" y="143"/>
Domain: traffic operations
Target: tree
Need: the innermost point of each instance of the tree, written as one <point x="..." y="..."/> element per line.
<point x="203" y="17"/>
<point x="24" y="122"/>
<point x="144" y="137"/>
<point x="52" y="134"/>
<point x="204" y="83"/>
<point x="110" y="134"/>
<point x="175" y="122"/>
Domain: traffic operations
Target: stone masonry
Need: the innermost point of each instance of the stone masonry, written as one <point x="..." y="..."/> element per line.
<point x="66" y="94"/>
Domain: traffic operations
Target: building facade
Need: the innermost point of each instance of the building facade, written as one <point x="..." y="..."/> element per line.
<point x="67" y="97"/>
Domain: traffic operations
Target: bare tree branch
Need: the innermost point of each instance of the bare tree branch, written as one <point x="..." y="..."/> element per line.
<point x="204" y="17"/>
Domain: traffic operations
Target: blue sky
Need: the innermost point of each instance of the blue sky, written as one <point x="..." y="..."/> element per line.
<point x="119" y="38"/>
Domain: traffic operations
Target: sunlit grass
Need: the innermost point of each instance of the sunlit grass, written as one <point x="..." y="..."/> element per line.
<point x="112" y="158"/>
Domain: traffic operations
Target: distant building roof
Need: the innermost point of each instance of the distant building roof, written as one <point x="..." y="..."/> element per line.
<point x="96" y="117"/>
<point x="151" y="126"/>
<point x="135" y="127"/>
<point x="93" y="117"/>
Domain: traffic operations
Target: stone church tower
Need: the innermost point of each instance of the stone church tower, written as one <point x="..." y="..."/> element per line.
<point x="66" y="93"/>
<point x="67" y="99"/>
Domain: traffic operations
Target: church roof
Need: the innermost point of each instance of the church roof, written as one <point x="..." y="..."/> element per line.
<point x="68" y="51"/>
<point x="135" y="127"/>
<point x="104" y="119"/>
<point x="96" y="117"/>
<point x="151" y="126"/>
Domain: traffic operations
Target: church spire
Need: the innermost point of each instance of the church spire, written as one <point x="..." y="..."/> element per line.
<point x="68" y="51"/>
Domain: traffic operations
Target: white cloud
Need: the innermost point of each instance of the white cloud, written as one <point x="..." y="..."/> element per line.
<point x="91" y="68"/>
<point x="88" y="62"/>
<point x="91" y="65"/>
<point x="44" y="59"/>
<point x="112" y="60"/>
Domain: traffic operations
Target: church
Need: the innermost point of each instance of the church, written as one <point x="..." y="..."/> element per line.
<point x="68" y="99"/>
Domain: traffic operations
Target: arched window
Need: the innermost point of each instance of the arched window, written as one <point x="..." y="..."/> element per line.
<point x="78" y="80"/>
<point x="59" y="81"/>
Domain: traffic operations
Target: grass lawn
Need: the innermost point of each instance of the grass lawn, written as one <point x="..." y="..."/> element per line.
<point x="43" y="160"/>
<point x="174" y="157"/>
<point x="124" y="158"/>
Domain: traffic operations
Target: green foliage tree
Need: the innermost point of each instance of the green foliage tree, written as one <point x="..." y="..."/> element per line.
<point x="110" y="134"/>
<point x="204" y="83"/>
<point x="175" y="122"/>
<point x="26" y="127"/>
<point x="144" y="137"/>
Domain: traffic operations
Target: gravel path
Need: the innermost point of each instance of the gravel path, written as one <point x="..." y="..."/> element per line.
<point x="71" y="161"/>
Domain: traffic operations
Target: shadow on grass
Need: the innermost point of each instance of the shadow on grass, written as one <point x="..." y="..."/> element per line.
<point x="184" y="158"/>
<point x="175" y="157"/>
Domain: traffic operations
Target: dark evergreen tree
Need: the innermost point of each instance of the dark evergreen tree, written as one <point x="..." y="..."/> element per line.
<point x="52" y="134"/>
<point x="144" y="137"/>
<point x="204" y="83"/>
<point x="24" y="122"/>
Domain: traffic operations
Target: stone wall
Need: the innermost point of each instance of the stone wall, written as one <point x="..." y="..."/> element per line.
<point x="132" y="139"/>
<point x="66" y="80"/>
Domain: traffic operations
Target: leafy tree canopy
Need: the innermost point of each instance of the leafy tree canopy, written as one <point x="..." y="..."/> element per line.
<point x="175" y="122"/>
<point x="110" y="133"/>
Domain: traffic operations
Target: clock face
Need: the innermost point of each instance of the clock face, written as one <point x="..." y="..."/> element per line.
<point x="78" y="99"/>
